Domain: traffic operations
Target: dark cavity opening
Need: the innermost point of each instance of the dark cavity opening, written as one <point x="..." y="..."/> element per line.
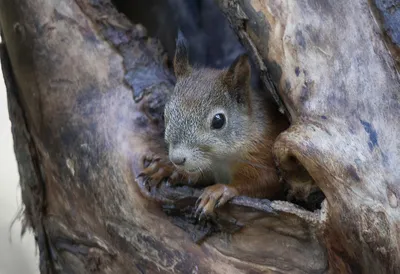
<point x="300" y="187"/>
<point x="211" y="40"/>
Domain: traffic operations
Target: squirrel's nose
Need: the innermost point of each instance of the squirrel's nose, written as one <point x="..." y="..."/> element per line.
<point x="179" y="161"/>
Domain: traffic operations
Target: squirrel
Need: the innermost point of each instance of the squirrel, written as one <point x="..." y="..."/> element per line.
<point x="218" y="128"/>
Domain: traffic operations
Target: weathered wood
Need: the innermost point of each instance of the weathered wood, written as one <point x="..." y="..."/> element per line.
<point x="331" y="68"/>
<point x="86" y="91"/>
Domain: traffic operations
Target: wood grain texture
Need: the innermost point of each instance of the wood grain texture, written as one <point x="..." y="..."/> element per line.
<point x="331" y="68"/>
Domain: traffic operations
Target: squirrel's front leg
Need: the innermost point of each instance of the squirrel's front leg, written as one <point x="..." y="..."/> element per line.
<point x="250" y="181"/>
<point x="155" y="169"/>
<point x="213" y="197"/>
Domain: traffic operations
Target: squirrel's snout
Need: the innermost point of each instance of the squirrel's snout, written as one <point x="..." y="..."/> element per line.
<point x="178" y="156"/>
<point x="183" y="158"/>
<point x="178" y="160"/>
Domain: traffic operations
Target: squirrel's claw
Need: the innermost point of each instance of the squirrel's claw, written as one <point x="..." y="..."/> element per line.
<point x="156" y="169"/>
<point x="141" y="174"/>
<point x="212" y="197"/>
<point x="173" y="178"/>
<point x="222" y="201"/>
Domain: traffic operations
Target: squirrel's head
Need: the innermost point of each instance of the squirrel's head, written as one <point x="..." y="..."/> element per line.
<point x="209" y="116"/>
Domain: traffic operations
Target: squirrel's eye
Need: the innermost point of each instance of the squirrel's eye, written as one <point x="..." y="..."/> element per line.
<point x="218" y="121"/>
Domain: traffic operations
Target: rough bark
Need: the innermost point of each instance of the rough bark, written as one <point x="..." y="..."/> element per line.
<point x="331" y="67"/>
<point x="86" y="90"/>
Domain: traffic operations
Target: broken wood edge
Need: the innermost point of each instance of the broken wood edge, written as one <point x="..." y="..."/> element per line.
<point x="108" y="21"/>
<point x="239" y="26"/>
<point x="33" y="188"/>
<point x="387" y="24"/>
<point x="168" y="196"/>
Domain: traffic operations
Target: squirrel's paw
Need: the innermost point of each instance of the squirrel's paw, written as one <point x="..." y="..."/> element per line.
<point x="155" y="170"/>
<point x="214" y="196"/>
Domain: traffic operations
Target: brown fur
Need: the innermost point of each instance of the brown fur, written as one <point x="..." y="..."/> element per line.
<point x="256" y="176"/>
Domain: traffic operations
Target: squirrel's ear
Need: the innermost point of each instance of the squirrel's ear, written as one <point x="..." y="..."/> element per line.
<point x="181" y="58"/>
<point x="238" y="76"/>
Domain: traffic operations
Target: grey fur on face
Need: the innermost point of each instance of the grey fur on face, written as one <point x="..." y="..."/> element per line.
<point x="199" y="95"/>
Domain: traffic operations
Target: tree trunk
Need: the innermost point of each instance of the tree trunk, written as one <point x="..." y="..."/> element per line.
<point x="340" y="84"/>
<point x="86" y="91"/>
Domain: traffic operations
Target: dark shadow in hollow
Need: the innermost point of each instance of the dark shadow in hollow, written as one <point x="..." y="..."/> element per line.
<point x="211" y="40"/>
